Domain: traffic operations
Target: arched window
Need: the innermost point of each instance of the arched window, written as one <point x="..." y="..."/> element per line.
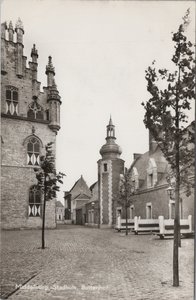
<point x="11" y="100"/>
<point x="33" y="151"/>
<point x="34" y="202"/>
<point x="35" y="111"/>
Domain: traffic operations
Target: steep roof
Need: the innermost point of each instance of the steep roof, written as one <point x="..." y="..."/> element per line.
<point x="59" y="204"/>
<point x="141" y="164"/>
<point x="80" y="187"/>
<point x="93" y="185"/>
<point x="82" y="196"/>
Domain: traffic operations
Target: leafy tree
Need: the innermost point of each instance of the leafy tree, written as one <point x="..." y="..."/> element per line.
<point x="47" y="181"/>
<point x="125" y="192"/>
<point x="172" y="94"/>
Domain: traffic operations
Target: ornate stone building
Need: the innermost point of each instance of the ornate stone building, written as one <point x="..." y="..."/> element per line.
<point x="30" y="119"/>
<point x="110" y="166"/>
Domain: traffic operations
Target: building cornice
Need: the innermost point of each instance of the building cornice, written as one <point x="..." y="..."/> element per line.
<point x="24" y="119"/>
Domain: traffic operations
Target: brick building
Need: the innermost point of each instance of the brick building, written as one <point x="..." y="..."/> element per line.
<point x="60" y="212"/>
<point x="30" y="119"/>
<point x="149" y="179"/>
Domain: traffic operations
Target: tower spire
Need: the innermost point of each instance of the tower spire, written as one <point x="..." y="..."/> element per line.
<point x="50" y="72"/>
<point x="110" y="130"/>
<point x="110" y="149"/>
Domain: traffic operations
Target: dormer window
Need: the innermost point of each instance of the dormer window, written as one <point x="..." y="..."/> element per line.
<point x="11" y="100"/>
<point x="135" y="179"/>
<point x="151" y="173"/>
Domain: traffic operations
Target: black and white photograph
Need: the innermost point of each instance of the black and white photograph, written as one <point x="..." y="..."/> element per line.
<point x="98" y="149"/>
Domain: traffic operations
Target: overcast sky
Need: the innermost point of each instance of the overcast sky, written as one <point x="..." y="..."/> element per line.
<point x="100" y="51"/>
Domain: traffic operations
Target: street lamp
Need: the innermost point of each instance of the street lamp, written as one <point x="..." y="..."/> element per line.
<point x="170" y="192"/>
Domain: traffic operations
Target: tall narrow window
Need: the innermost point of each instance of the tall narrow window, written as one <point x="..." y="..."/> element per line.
<point x="148" y="211"/>
<point x="33" y="152"/>
<point x="105" y="167"/>
<point x="152" y="175"/>
<point x="11" y="100"/>
<point x="34" y="202"/>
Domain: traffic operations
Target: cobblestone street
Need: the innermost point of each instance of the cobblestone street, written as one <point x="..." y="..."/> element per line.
<point x="88" y="263"/>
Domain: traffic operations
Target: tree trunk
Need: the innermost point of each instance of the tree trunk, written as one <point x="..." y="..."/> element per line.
<point x="177" y="194"/>
<point x="176" y="238"/>
<point x="43" y="216"/>
<point x="126" y="216"/>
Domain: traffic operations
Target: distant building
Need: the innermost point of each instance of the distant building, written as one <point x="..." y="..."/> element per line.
<point x="76" y="198"/>
<point x="30" y="119"/>
<point x="60" y="212"/>
<point x="92" y="208"/>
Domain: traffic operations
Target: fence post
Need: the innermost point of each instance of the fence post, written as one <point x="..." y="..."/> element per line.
<point x="135" y="223"/>
<point x="161" y="224"/>
<point x="119" y="222"/>
<point x="190" y="223"/>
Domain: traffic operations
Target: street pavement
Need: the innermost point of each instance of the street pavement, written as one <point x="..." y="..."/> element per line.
<point x="82" y="263"/>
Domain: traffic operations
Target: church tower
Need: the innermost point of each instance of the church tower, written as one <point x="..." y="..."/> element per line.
<point x="110" y="166"/>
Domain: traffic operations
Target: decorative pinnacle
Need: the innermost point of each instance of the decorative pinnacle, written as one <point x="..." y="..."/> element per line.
<point x="49" y="67"/>
<point x="4" y="24"/>
<point x="3" y="29"/>
<point x="110" y="122"/>
<point x="53" y="93"/>
<point x="10" y="26"/>
<point x="19" y="25"/>
<point x="34" y="51"/>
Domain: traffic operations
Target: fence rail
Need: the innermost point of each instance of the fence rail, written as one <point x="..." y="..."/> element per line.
<point x="162" y="227"/>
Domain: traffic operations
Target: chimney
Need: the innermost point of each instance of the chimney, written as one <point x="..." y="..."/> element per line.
<point x="152" y="143"/>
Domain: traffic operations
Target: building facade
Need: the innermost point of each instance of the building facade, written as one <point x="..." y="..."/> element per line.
<point x="110" y="166"/>
<point x="149" y="178"/>
<point x="60" y="212"/>
<point x="30" y="119"/>
<point x="75" y="199"/>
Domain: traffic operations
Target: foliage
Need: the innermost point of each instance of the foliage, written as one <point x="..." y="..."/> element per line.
<point x="47" y="181"/>
<point x="46" y="175"/>
<point x="172" y="94"/>
<point x="126" y="188"/>
<point x="166" y="110"/>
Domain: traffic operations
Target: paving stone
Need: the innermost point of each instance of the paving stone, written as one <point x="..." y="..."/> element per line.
<point x="84" y="263"/>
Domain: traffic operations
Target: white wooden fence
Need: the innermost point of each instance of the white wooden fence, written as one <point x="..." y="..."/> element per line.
<point x="166" y="226"/>
<point x="162" y="227"/>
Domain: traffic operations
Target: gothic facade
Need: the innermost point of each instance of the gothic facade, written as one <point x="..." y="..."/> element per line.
<point x="30" y="118"/>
